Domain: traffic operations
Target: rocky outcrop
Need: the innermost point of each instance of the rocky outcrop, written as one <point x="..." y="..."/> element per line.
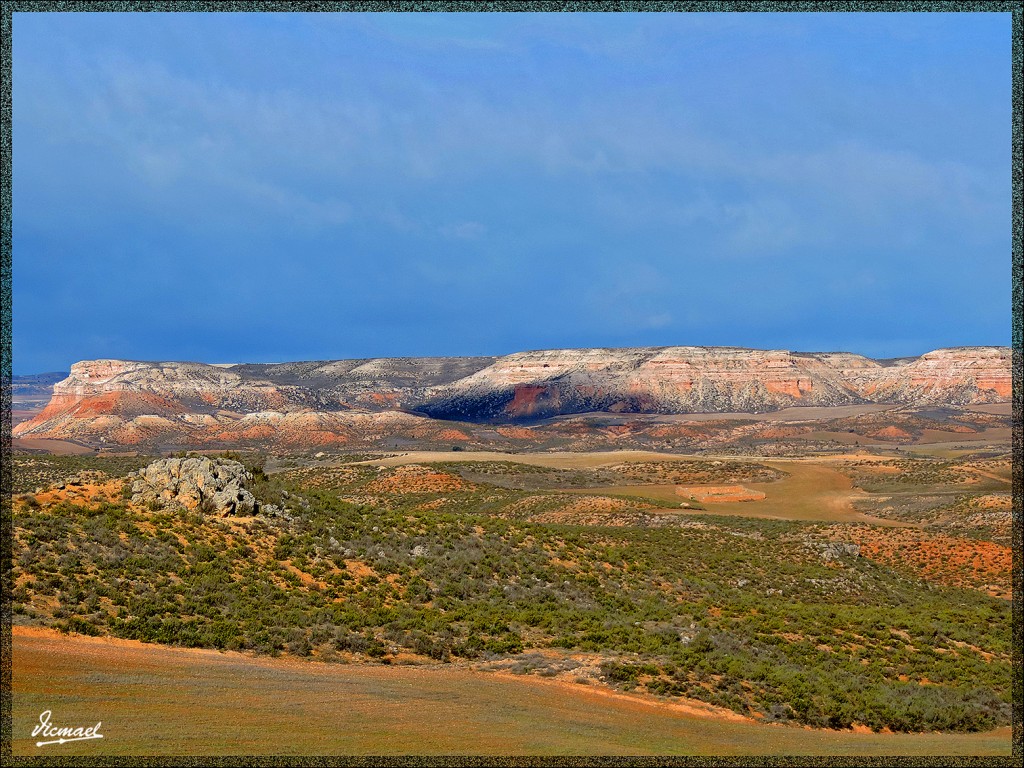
<point x="127" y="388"/>
<point x="212" y="486"/>
<point x="367" y="402"/>
<point x="958" y="376"/>
<point x="830" y="551"/>
<point x="533" y="385"/>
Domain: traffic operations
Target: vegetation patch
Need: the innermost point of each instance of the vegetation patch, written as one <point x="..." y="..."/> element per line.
<point x="743" y="613"/>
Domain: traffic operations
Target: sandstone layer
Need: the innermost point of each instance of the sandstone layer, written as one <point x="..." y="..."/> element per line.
<point x="395" y="401"/>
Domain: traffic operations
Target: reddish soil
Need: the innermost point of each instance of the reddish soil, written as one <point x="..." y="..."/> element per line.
<point x="516" y="433"/>
<point x="891" y="433"/>
<point x="359" y="569"/>
<point x="413" y="478"/>
<point x="124" y="404"/>
<point x="1003" y="387"/>
<point x="793" y="387"/>
<point x="527" y="398"/>
<point x="86" y="494"/>
<point x="993" y="501"/>
<point x="947" y="560"/>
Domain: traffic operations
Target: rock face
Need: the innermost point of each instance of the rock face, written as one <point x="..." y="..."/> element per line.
<point x="119" y="402"/>
<point x="531" y="385"/>
<point x="959" y="376"/>
<point x="214" y="486"/>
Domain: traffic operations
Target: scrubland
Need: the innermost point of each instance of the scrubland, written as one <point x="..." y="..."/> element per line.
<point x="498" y="566"/>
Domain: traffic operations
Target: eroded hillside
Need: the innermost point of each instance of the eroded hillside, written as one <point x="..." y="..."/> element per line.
<point x="577" y="399"/>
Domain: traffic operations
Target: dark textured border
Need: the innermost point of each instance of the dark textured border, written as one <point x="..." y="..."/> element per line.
<point x="6" y="523"/>
<point x="1016" y="7"/>
<point x="571" y="762"/>
<point x="473" y="761"/>
<point x="506" y="6"/>
<point x="1017" y="275"/>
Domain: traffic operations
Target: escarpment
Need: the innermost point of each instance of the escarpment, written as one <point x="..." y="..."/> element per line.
<point x="377" y="401"/>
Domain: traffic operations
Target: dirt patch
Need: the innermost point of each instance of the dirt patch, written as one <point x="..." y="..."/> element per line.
<point x="89" y="492"/>
<point x="999" y="502"/>
<point x="454" y="435"/>
<point x="598" y="504"/>
<point x="359" y="569"/>
<point x="591" y="510"/>
<point x="412" y="478"/>
<point x="891" y="433"/>
<point x="719" y="493"/>
<point x="45" y="445"/>
<point x="516" y="433"/>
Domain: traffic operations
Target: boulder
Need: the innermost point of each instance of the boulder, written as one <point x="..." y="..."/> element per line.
<point x="211" y="485"/>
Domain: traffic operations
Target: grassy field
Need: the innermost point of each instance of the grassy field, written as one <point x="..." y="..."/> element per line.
<point x="161" y="701"/>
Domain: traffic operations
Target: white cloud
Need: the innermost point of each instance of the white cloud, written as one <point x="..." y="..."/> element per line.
<point x="465" y="230"/>
<point x="293" y="150"/>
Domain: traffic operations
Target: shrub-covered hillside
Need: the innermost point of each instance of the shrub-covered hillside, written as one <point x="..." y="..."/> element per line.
<point x="773" y="619"/>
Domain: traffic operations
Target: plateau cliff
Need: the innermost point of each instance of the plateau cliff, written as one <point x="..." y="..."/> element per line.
<point x="117" y="402"/>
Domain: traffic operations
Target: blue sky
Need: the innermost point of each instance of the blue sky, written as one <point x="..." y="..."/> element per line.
<point x="263" y="187"/>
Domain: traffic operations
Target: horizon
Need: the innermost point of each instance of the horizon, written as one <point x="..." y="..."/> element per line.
<point x="524" y="351"/>
<point x="293" y="186"/>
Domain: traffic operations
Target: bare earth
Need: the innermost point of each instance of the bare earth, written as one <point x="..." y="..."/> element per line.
<point x="59" y="447"/>
<point x="154" y="700"/>
<point x="1001" y="409"/>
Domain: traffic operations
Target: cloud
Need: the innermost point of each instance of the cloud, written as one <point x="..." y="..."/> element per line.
<point x="250" y="138"/>
<point x="300" y="209"/>
<point x="630" y="296"/>
<point x="661" y="320"/>
<point x="765" y="227"/>
<point x="466" y="230"/>
<point x="564" y="176"/>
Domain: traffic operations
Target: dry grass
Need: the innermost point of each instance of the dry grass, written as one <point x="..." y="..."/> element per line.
<point x="208" y="703"/>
